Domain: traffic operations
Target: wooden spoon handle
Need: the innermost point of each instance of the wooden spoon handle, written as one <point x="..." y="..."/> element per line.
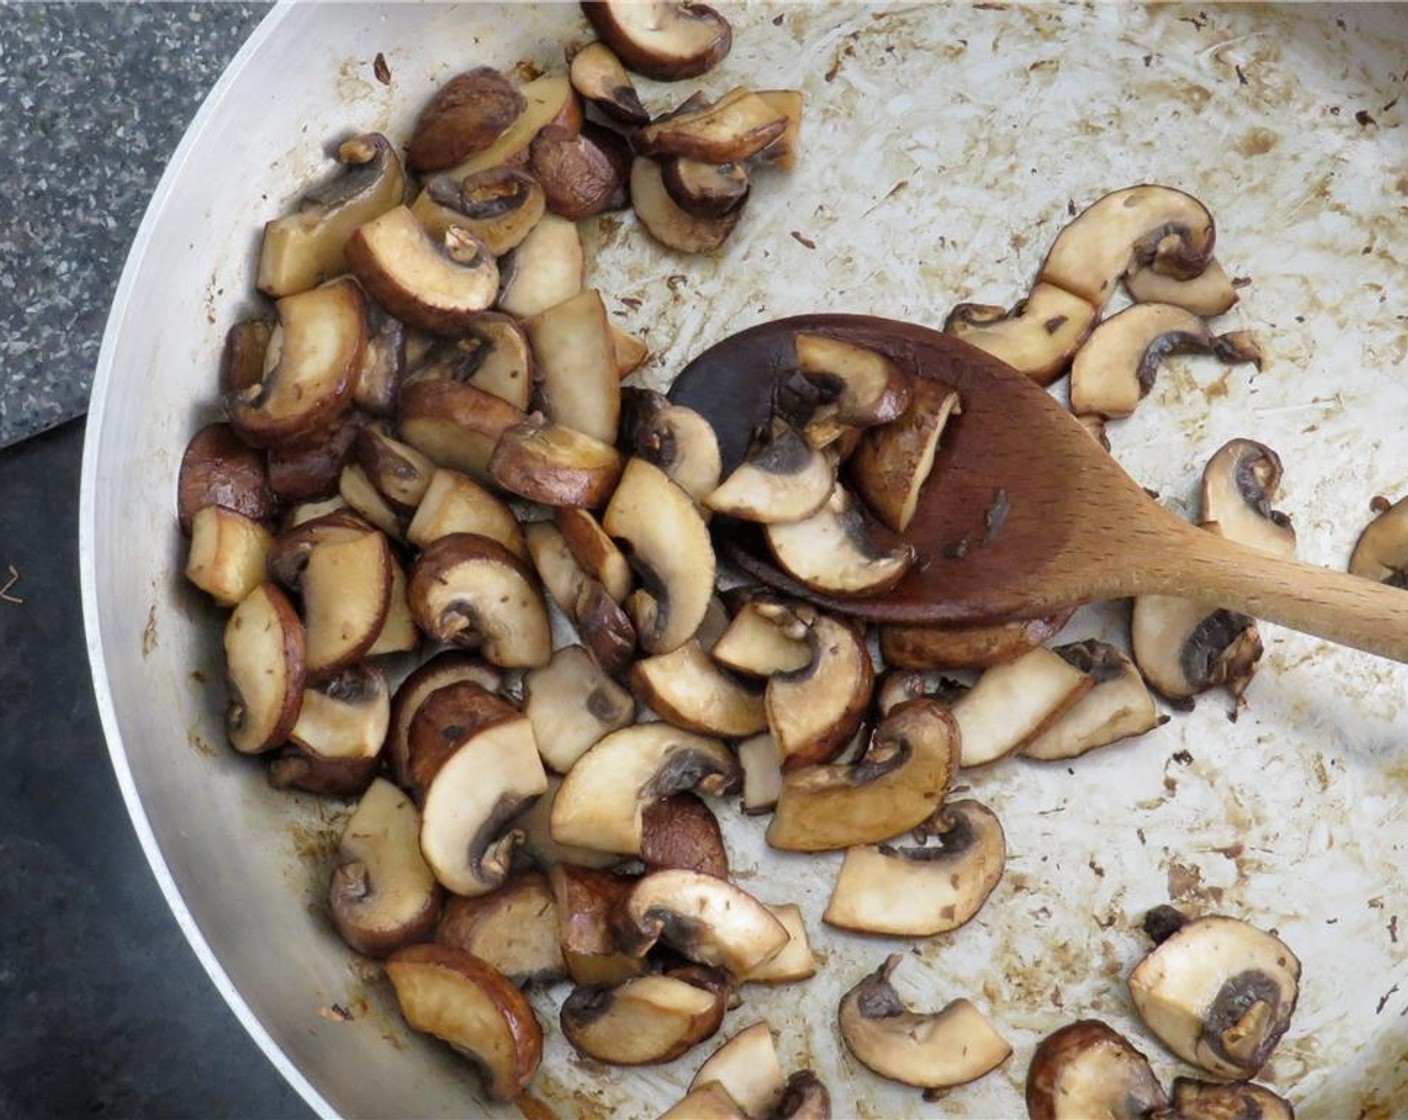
<point x="1339" y="607"/>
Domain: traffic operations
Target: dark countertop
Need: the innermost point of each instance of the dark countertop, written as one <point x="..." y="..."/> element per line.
<point x="96" y="98"/>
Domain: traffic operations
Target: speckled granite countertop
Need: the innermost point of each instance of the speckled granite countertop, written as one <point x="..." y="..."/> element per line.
<point x="96" y="97"/>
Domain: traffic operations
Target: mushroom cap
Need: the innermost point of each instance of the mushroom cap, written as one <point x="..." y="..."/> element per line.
<point x="597" y="74"/>
<point x="499" y="205"/>
<point x="1206" y="1100"/>
<point x="665" y="41"/>
<point x="705" y="918"/>
<point x="1086" y="1069"/>
<point x="893" y="461"/>
<point x="667" y="221"/>
<point x="643" y="1021"/>
<point x="441" y="670"/>
<point x="689" y="690"/>
<point x="513" y="928"/>
<point x="674" y="438"/>
<point x="966" y="647"/>
<point x="265" y="667"/>
<point x="220" y="469"/>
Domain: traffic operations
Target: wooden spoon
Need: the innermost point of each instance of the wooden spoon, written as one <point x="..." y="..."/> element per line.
<point x="1076" y="528"/>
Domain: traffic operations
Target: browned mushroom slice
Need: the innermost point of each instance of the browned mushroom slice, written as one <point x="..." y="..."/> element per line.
<point x="547" y="100"/>
<point x="682" y="832"/>
<point x="309" y="370"/>
<point x="783" y="479"/>
<point x="706" y="190"/>
<point x="1038" y="336"/>
<point x="436" y="285"/>
<point x="597" y="554"/>
<point x="662" y="40"/>
<point x="546" y="268"/>
<point x="1014" y="702"/>
<point x="288" y="558"/>
<point x="932" y="1051"/>
<point x="597" y="74"/>
<point x="1117" y="707"/>
<point x="920" y="892"/>
<point x="833" y="552"/>
<point x="439" y="672"/>
<point x="579" y="177"/>
<point x="242" y="358"/>
<point x="346" y="596"/>
<point x="892" y="462"/>
<point x="466" y="115"/>
<point x="500" y="205"/>
<point x="804" y="1098"/>
<point x="668" y="222"/>
<point x="604" y="795"/>
<point x="672" y="437"/>
<point x="454" y="503"/>
<point x="311" y="466"/>
<point x="556" y="566"/>
<point x="535" y="821"/>
<point x="458" y="426"/>
<point x="1183" y="649"/>
<point x="763" y="638"/>
<point x="705" y="918"/>
<point x="709" y="1101"/>
<point x="1208" y="1100"/>
<point x="398" y="629"/>
<point x="813" y="711"/>
<point x="443" y="722"/>
<point x="228" y="556"/>
<point x="576" y="365"/>
<point x="1087" y="1069"/>
<point x="364" y="499"/>
<point x="856" y="387"/>
<point x="335" y="747"/>
<point x="383" y="364"/>
<point x="1149" y="225"/>
<point x="665" y="539"/>
<point x="762" y="773"/>
<point x="644" y="1021"/>
<point x="1219" y="993"/>
<point x="1381" y="552"/>
<point x="587" y="900"/>
<point x="630" y="351"/>
<point x="795" y="961"/>
<point x="264" y="668"/>
<point x="555" y="465"/>
<point x="475" y="1008"/>
<point x="1116" y="367"/>
<point x="738" y="125"/>
<point x="966" y="647"/>
<point x="686" y="688"/>
<point x="782" y="152"/>
<point x="399" y="473"/>
<point x="382" y="895"/>
<point x="572" y="705"/>
<point x="748" y="1069"/>
<point x="513" y="928"/>
<point x="307" y="246"/>
<point x="218" y="469"/>
<point x="1210" y="293"/>
<point x="896" y="784"/>
<point x="492" y="355"/>
<point x="1239" y="483"/>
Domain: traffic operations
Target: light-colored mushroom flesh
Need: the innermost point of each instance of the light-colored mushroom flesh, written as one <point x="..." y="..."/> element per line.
<point x="513" y="928"/>
<point x="1087" y="1070"/>
<point x="1037" y="337"/>
<point x="892" y="462"/>
<point x="707" y="919"/>
<point x="572" y="705"/>
<point x="686" y="688"/>
<point x="832" y="551"/>
<point x="1208" y="294"/>
<point x="1014" y="702"/>
<point x="748" y="1068"/>
<point x="1381" y="552"/>
<point x="643" y="1021"/>
<point x="813" y="711"/>
<point x="783" y="479"/>
<point x="1118" y="705"/>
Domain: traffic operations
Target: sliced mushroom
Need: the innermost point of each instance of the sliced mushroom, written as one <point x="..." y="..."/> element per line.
<point x="563" y="577"/>
<point x="1087" y="1069"/>
<point x="288" y="556"/>
<point x="400" y="473"/>
<point x="383" y="364"/>
<point x="923" y="891"/>
<point x="1014" y="702"/>
<point x="302" y="513"/>
<point x="335" y="746"/>
<point x="706" y="190"/>
<point x="1116" y="367"/>
<point x="1117" y="707"/>
<point x="538" y="843"/>
<point x="242" y="358"/>
<point x="475" y="1008"/>
<point x="1219" y="993"/>
<point x="311" y="466"/>
<point x="466" y="115"/>
<point x="795" y="961"/>
<point x="859" y="387"/>
<point x="1207" y="1100"/>
<point x="514" y="929"/>
<point x="440" y="671"/>
<point x="364" y="499"/>
<point x="662" y="40"/>
<point x="804" y="1098"/>
<point x="309" y="369"/>
<point x="783" y="479"/>
<point x="1147" y="225"/>
<point x="1381" y="552"/>
<point x="347" y="588"/>
<point x="832" y="551"/>
<point x="576" y="365"/>
<point x="736" y="126"/>
<point x="630" y="351"/>
<point x="547" y="100"/>
<point x="454" y="503"/>
<point x="1037" y="337"/>
<point x="264" y="667"/>
<point x="382" y="895"/>
<point x="966" y="647"/>
<point x="762" y="773"/>
<point x="604" y="795"/>
<point x="707" y="919"/>
<point x="644" y="1021"/>
<point x="228" y="556"/>
<point x="544" y="270"/>
<point x="594" y="551"/>
<point x="555" y="465"/>
<point x="893" y="462"/>
<point x="398" y="630"/>
<point x="813" y="711"/>
<point x="932" y="1051"/>
<point x="605" y="628"/>
<point x="597" y="74"/>
<point x="1239" y="483"/>
<point x="219" y="469"/>
<point x="442" y="723"/>
<point x="458" y="426"/>
<point x="709" y="1101"/>
<point x="762" y="639"/>
<point x="665" y="539"/>
<point x="579" y="176"/>
<point x="667" y="221"/>
<point x="1182" y="649"/>
<point x="436" y="285"/>
<point x="672" y="437"/>
<point x="1208" y="294"/>
<point x="572" y="705"/>
<point x="747" y="1068"/>
<point x="470" y="799"/>
<point x="470" y="591"/>
<point x="686" y="688"/>
<point x="898" y="782"/>
<point x="500" y="205"/>
<point x="682" y="832"/>
<point x="492" y="355"/>
<point x="307" y="247"/>
<point x="586" y="900"/>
